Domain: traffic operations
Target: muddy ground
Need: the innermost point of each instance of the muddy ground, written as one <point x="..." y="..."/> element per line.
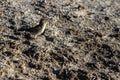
<point x="81" y="40"/>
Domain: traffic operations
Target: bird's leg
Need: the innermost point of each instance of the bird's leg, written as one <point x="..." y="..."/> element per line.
<point x="35" y="38"/>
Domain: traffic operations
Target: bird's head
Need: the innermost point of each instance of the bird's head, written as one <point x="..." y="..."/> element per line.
<point x="43" y="21"/>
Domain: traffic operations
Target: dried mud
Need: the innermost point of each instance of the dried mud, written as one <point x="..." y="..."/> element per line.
<point x="81" y="40"/>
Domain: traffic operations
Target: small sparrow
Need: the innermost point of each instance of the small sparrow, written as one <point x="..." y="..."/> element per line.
<point x="38" y="29"/>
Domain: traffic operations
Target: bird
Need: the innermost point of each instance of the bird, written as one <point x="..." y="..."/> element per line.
<point x="38" y="29"/>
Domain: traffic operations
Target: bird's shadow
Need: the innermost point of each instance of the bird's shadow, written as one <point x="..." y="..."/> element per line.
<point x="28" y="36"/>
<point x="24" y="26"/>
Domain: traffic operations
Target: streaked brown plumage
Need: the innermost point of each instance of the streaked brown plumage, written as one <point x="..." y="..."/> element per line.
<point x="38" y="29"/>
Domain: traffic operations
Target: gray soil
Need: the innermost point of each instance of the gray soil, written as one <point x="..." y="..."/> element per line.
<point x="81" y="40"/>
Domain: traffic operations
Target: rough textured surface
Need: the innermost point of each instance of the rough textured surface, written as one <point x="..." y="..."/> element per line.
<point x="81" y="40"/>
